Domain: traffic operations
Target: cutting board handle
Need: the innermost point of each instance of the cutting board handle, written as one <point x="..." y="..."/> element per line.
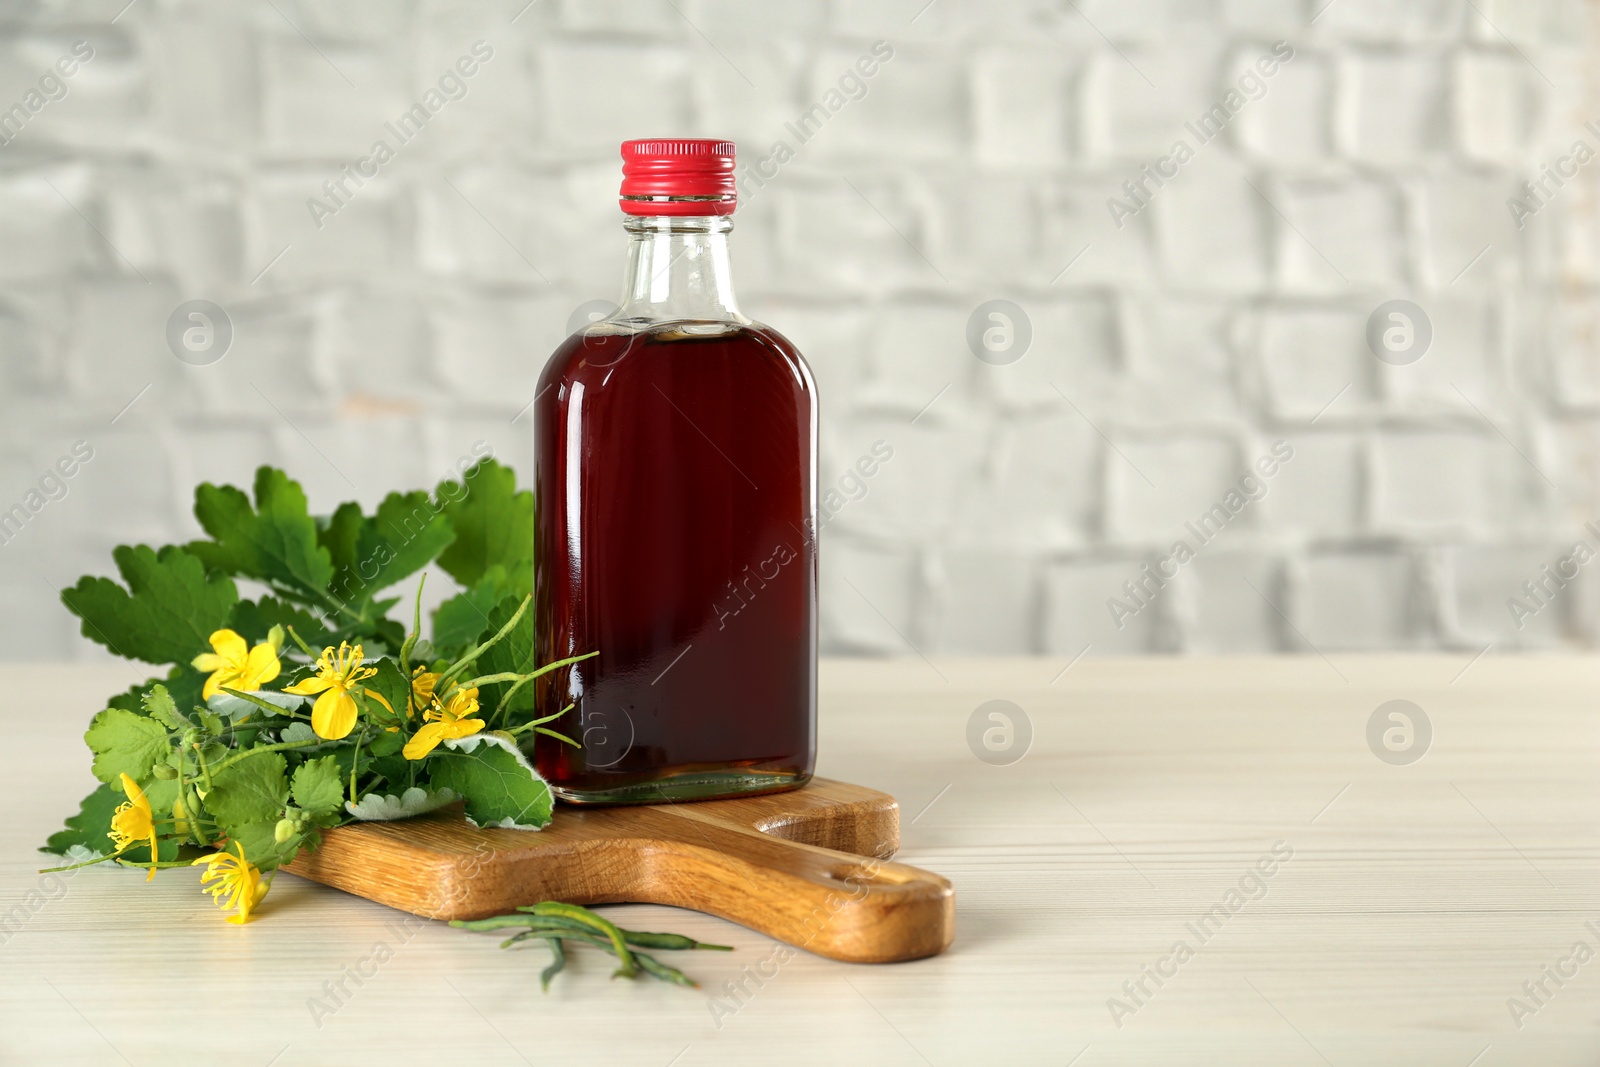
<point x="858" y="909"/>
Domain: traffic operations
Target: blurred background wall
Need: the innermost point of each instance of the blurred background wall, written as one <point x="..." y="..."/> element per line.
<point x="1157" y="340"/>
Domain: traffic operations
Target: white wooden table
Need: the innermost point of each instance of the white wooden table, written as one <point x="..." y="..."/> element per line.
<point x="1417" y="901"/>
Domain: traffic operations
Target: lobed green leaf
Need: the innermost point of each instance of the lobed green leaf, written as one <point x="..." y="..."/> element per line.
<point x="166" y="614"/>
<point x="493" y="524"/>
<point x="275" y="541"/>
<point x="125" y="743"/>
<point x="500" y="787"/>
<point x="317" y="789"/>
<point x="255" y="789"/>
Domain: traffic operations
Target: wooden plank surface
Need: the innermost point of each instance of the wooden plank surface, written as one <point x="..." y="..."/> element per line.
<point x="1418" y="899"/>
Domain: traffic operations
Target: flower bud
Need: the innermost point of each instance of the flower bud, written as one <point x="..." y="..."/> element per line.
<point x="165" y="771"/>
<point x="285" y="829"/>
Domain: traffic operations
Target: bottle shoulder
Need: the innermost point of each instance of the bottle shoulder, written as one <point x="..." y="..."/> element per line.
<point x="608" y="348"/>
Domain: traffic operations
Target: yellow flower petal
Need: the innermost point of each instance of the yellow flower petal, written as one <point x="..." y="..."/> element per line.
<point x="379" y="697"/>
<point x="135" y="794"/>
<point x="229" y="645"/>
<point x="222" y="677"/>
<point x="260" y="667"/>
<point x="134" y="822"/>
<point x="247" y="904"/>
<point x="463" y="727"/>
<point x="233" y="882"/>
<point x="333" y="716"/>
<point x="309" y="686"/>
<point x="424" y="741"/>
<point x="422" y="683"/>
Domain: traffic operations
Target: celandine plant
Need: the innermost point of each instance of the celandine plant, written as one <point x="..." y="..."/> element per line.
<point x="308" y="707"/>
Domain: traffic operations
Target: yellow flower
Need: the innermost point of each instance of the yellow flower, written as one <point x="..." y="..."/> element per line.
<point x="236" y="883"/>
<point x="422" y="683"/>
<point x="333" y="716"/>
<point x="237" y="667"/>
<point x="448" y="719"/>
<point x="134" y="823"/>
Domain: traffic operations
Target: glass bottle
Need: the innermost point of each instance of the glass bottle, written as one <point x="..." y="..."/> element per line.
<point x="676" y="483"/>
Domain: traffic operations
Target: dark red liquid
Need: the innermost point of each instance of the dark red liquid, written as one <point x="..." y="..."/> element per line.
<point x="676" y="537"/>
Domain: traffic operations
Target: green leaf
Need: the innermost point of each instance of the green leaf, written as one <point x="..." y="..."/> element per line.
<point x="253" y="790"/>
<point x="158" y="703"/>
<point x="300" y="732"/>
<point x="375" y="807"/>
<point x="391" y="770"/>
<point x="371" y="554"/>
<point x="132" y="698"/>
<point x="500" y="786"/>
<point x="260" y="844"/>
<point x="275" y="541"/>
<point x="414" y="529"/>
<point x="183" y="684"/>
<point x="514" y="652"/>
<point x="316" y="789"/>
<point x="125" y="743"/>
<point x="386" y="744"/>
<point x="462" y="620"/>
<point x="254" y="619"/>
<point x="161" y="793"/>
<point x="387" y="634"/>
<point x="340" y="534"/>
<point x="90" y="826"/>
<point x="167" y="613"/>
<point x="493" y="524"/>
<point x="391" y="684"/>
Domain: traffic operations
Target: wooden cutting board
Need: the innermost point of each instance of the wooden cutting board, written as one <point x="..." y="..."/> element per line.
<point x="808" y="867"/>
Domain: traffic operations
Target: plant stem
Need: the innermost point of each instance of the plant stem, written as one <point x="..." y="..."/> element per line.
<point x="535" y="723"/>
<point x="505" y="701"/>
<point x="465" y="661"/>
<point x="205" y="771"/>
<point x="558" y="737"/>
<point x="555" y="923"/>
<point x="649" y="964"/>
<point x="502" y="922"/>
<point x="588" y="918"/>
<point x="75" y="866"/>
<point x="303" y="646"/>
<point x="191" y="818"/>
<point x="644" y="939"/>
<point x="411" y="638"/>
<point x="558" y="960"/>
<point x="355" y="761"/>
<point x="265" y="705"/>
<point x="486" y="679"/>
<point x="656" y="969"/>
<point x="160" y="865"/>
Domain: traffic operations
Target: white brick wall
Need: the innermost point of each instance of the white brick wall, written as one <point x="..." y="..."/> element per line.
<point x="1167" y="354"/>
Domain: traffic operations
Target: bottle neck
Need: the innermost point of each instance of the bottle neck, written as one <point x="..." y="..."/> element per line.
<point x="678" y="269"/>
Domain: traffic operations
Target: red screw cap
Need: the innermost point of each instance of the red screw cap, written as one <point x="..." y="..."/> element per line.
<point x="679" y="176"/>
